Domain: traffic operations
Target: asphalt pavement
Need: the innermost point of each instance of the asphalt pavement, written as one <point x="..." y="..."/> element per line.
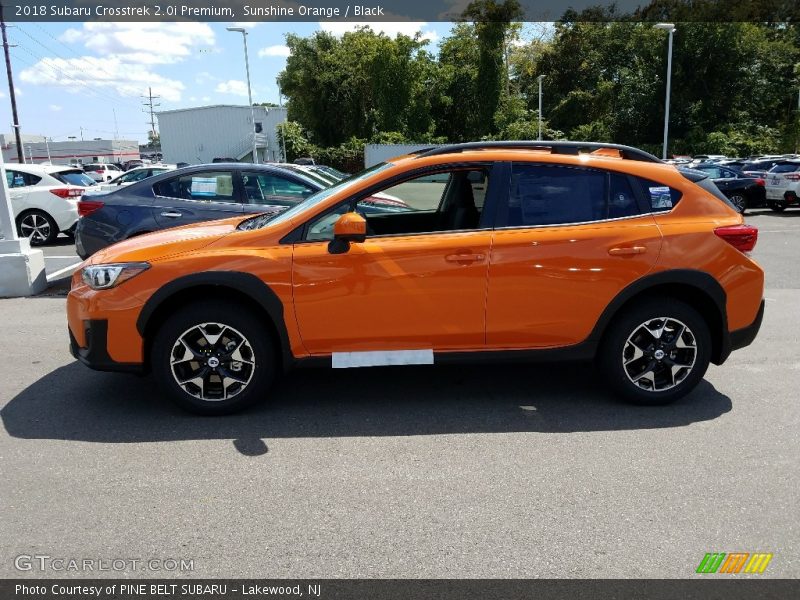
<point x="487" y="471"/>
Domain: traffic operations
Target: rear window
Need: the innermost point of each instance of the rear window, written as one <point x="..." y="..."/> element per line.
<point x="785" y="168"/>
<point x="75" y="177"/>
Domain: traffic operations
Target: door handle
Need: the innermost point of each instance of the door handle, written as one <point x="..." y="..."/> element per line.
<point x="465" y="257"/>
<point x="171" y="214"/>
<point x="627" y="250"/>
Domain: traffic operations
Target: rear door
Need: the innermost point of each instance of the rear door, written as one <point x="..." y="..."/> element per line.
<point x="567" y="240"/>
<point x="197" y="196"/>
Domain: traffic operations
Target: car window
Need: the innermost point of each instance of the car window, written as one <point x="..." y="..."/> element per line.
<point x="135" y="176"/>
<point x="75" y="177"/>
<point x="211" y="186"/>
<point x="661" y="197"/>
<point x="713" y="172"/>
<point x="265" y="188"/>
<point x="622" y="198"/>
<point x="785" y="168"/>
<point x="16" y="179"/>
<point x="554" y="195"/>
<point x="445" y="201"/>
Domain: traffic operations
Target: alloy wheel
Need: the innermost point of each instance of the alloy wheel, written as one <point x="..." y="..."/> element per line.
<point x="739" y="202"/>
<point x="212" y="362"/>
<point x="36" y="227"/>
<point x="659" y="354"/>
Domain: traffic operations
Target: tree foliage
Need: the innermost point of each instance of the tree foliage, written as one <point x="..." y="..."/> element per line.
<point x="734" y="84"/>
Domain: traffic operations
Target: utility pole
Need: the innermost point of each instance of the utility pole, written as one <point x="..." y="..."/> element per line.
<point x="151" y="108"/>
<point x="11" y="92"/>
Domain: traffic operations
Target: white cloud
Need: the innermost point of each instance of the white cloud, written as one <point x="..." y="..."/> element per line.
<point x="277" y="50"/>
<point x="204" y="77"/>
<point x="55" y="107"/>
<point x="390" y="28"/>
<point x="206" y="98"/>
<point x="235" y="87"/>
<point x="143" y="43"/>
<point x="90" y="73"/>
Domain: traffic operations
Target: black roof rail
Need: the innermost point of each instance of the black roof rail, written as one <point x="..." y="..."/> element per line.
<point x="556" y="147"/>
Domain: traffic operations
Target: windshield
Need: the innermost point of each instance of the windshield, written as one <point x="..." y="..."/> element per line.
<point x="312" y="200"/>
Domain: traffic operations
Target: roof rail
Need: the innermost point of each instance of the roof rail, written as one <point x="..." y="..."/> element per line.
<point x="556" y="147"/>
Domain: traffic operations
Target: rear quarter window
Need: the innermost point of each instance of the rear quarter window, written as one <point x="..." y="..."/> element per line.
<point x="659" y="197"/>
<point x="785" y="168"/>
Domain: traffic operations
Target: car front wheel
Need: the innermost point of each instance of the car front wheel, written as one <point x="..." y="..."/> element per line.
<point x="214" y="358"/>
<point x="656" y="352"/>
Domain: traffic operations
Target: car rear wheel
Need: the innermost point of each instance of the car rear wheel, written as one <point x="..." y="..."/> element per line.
<point x="39" y="227"/>
<point x="214" y="358"/>
<point x="739" y="201"/>
<point x="656" y="352"/>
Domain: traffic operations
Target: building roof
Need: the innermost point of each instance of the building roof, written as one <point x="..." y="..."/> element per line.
<point x="191" y="108"/>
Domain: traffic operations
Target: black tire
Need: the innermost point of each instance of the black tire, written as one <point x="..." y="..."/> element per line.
<point x="614" y="349"/>
<point x="777" y="207"/>
<point x="739" y="201"/>
<point x="38" y="226"/>
<point x="258" y="346"/>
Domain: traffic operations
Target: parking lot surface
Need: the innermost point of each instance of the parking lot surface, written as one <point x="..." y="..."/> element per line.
<point x="488" y="471"/>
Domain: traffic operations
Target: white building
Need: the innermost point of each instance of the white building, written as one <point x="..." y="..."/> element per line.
<point x="37" y="149"/>
<point x="201" y="134"/>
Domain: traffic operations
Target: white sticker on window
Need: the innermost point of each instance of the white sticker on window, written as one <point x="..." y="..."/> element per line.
<point x="660" y="197"/>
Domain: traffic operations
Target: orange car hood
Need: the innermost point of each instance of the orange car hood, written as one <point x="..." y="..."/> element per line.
<point x="178" y="240"/>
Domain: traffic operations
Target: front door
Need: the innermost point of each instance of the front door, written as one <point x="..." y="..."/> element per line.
<point x="568" y="240"/>
<point x="418" y="282"/>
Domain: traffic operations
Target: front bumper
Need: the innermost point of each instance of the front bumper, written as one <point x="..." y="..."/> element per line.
<point x="95" y="354"/>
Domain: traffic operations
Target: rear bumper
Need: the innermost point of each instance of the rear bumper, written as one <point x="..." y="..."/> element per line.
<point x="745" y="336"/>
<point x="95" y="354"/>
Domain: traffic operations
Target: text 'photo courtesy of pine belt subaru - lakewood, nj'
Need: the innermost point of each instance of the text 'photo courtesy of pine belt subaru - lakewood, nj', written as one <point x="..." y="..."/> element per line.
<point x="505" y="251"/>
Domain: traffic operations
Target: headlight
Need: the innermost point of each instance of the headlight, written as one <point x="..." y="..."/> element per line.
<point x="103" y="277"/>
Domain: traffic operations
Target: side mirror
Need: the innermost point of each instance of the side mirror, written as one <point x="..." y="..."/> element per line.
<point x="350" y="227"/>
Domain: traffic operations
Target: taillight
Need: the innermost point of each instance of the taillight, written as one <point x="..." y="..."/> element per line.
<point x="741" y="237"/>
<point x="792" y="176"/>
<point x="67" y="192"/>
<point x="760" y="182"/>
<point x="87" y="207"/>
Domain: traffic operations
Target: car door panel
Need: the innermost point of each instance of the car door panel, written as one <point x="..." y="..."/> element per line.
<point x="549" y="285"/>
<point x="399" y="293"/>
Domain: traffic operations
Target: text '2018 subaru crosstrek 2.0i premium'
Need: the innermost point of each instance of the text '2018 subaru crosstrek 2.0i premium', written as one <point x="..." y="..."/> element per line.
<point x="507" y="250"/>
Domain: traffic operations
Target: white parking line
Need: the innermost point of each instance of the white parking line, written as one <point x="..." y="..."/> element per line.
<point x="61" y="257"/>
<point x="60" y="272"/>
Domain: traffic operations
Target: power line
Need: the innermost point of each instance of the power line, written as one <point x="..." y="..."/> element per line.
<point x="97" y="66"/>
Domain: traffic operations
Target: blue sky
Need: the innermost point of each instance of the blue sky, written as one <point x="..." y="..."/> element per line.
<point x="71" y="78"/>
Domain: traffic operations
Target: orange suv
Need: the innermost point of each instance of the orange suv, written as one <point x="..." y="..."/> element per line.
<point x="503" y="251"/>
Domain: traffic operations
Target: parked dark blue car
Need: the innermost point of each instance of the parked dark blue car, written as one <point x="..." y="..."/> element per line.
<point x="192" y="194"/>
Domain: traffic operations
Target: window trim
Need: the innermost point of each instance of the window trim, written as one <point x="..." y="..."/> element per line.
<point x="298" y="235"/>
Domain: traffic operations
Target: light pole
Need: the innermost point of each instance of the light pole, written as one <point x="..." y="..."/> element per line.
<point x="243" y="31"/>
<point x="671" y="29"/>
<point x="540" y="105"/>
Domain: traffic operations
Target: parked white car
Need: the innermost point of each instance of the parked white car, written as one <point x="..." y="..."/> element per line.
<point x="45" y="199"/>
<point x="782" y="184"/>
<point x="101" y="172"/>
<point x="132" y="176"/>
